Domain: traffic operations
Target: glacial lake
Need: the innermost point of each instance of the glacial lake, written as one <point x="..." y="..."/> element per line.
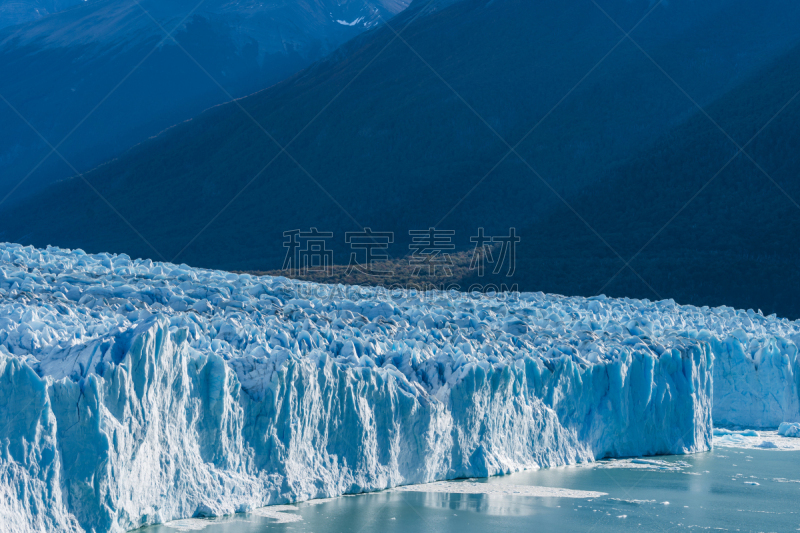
<point x="727" y="489"/>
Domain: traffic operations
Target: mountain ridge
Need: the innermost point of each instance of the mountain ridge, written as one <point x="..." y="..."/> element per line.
<point x="17" y="12"/>
<point x="121" y="55"/>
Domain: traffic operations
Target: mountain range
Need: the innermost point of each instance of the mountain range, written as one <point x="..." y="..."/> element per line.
<point x="587" y="126"/>
<point x="97" y="78"/>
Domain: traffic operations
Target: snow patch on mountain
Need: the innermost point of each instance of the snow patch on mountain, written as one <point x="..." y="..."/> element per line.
<point x="345" y="23"/>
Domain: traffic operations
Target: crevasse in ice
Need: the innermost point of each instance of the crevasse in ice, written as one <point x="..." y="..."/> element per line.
<point x="134" y="392"/>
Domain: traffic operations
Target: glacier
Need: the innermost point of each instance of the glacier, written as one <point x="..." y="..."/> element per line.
<point x="134" y="392"/>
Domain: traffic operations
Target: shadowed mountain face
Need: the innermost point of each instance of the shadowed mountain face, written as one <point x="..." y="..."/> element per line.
<point x="104" y="75"/>
<point x="14" y="12"/>
<point x="697" y="220"/>
<point x="407" y="133"/>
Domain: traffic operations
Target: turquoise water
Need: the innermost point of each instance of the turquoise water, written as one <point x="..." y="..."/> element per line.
<point x="722" y="490"/>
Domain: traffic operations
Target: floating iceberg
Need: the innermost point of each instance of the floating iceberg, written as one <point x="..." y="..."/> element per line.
<point x="134" y="392"/>
<point x="789" y="430"/>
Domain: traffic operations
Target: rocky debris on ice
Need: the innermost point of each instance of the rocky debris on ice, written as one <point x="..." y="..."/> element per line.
<point x="134" y="392"/>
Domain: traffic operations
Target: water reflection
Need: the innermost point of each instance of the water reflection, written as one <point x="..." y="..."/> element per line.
<point x="734" y="490"/>
<point x="489" y="504"/>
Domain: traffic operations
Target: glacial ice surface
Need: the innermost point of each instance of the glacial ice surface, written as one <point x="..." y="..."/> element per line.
<point x="134" y="392"/>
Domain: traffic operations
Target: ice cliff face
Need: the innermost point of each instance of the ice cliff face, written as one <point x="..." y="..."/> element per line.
<point x="134" y="392"/>
<point x="756" y="374"/>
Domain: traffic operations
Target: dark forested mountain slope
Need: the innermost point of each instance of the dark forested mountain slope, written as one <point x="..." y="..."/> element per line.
<point x="382" y="141"/>
<point x="107" y="70"/>
<point x="702" y="222"/>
